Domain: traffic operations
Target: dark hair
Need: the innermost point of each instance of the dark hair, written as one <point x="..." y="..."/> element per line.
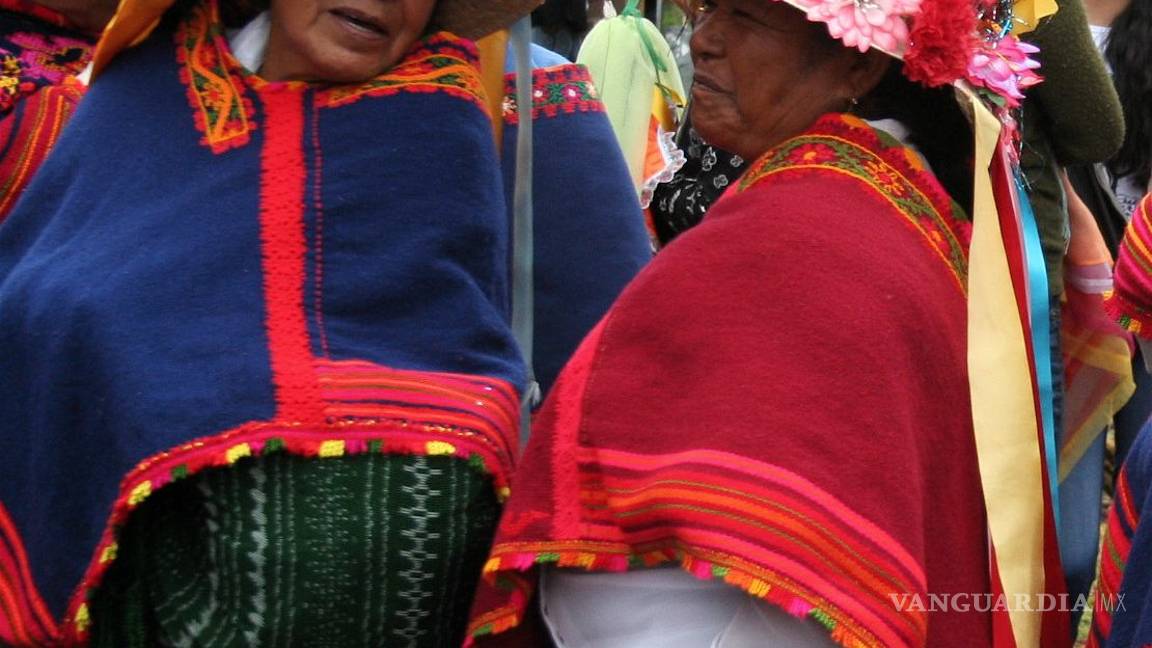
<point x="1129" y="52"/>
<point x="562" y="15"/>
<point x="935" y="124"/>
<point x="237" y="13"/>
<point x="937" y="128"/>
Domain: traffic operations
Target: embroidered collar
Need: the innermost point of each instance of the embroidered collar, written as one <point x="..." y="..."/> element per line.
<point x="220" y="89"/>
<point x="848" y="145"/>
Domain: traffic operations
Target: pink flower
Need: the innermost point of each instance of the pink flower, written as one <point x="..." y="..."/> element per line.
<point x="864" y="23"/>
<point x="1004" y="67"/>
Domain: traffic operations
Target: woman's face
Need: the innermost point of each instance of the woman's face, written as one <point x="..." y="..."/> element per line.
<point x="341" y="41"/>
<point x="762" y="74"/>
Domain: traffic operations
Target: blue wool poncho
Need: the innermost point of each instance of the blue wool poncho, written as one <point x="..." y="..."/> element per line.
<point x="211" y="267"/>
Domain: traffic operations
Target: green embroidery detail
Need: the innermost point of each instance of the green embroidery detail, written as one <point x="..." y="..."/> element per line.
<point x="821" y="151"/>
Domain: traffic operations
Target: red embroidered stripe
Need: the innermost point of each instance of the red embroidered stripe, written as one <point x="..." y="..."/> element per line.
<point x="1114" y="550"/>
<point x="485" y="409"/>
<point x="643" y="504"/>
<point x="29" y="133"/>
<point x="780" y="519"/>
<point x="24" y="619"/>
<point x="282" y="196"/>
<point x="757" y="526"/>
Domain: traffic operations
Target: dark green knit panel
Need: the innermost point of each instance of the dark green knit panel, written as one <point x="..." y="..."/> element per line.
<point x="365" y="550"/>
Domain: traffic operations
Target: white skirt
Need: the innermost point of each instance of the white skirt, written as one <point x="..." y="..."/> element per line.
<point x="664" y="607"/>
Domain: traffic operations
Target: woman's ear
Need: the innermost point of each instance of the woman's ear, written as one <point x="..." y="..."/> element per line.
<point x="865" y="72"/>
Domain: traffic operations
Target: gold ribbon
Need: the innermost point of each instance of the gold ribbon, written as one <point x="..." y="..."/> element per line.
<point x="1029" y="13"/>
<point x="493" y="50"/>
<point x="1003" y="400"/>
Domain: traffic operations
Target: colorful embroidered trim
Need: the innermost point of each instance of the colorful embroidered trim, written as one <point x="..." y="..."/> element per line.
<point x="219" y="87"/>
<point x="1130" y="316"/>
<point x="370" y="409"/>
<point x="34" y="55"/>
<point x="756" y="526"/>
<point x="443" y="63"/>
<point x="1114" y="551"/>
<point x="563" y="89"/>
<point x="29" y="133"/>
<point x="899" y="177"/>
<point x="593" y="557"/>
<point x="221" y="109"/>
<point x="1130" y="304"/>
<point x="24" y="619"/>
<point x="485" y="411"/>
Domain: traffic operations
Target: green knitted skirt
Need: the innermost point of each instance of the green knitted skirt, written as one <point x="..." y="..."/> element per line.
<point x="363" y="550"/>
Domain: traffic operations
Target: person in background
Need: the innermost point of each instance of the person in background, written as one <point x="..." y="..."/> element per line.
<point x="560" y="26"/>
<point x="1072" y="118"/>
<point x="1123" y="32"/>
<point x="681" y="203"/>
<point x="1122" y="615"/>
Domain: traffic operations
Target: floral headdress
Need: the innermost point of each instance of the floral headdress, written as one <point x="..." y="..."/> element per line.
<point x="940" y="41"/>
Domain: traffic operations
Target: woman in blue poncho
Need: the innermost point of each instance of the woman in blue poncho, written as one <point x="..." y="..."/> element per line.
<point x="260" y="385"/>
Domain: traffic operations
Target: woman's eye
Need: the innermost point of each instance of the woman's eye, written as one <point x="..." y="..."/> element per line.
<point x="705" y="6"/>
<point x="744" y="15"/>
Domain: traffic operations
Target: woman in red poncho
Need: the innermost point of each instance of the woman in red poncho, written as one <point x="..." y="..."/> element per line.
<point x="779" y="404"/>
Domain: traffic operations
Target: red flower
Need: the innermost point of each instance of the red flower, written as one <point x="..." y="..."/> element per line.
<point x="941" y="42"/>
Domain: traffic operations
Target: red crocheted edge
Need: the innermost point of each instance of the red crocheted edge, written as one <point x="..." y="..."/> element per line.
<point x="335" y="439"/>
<point x="767" y="585"/>
<point x="24" y="618"/>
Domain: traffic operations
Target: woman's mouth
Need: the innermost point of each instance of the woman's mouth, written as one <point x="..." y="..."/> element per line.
<point x="360" y="22"/>
<point x="706" y="83"/>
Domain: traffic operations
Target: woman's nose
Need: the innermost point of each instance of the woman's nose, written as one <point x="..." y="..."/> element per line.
<point x="707" y="39"/>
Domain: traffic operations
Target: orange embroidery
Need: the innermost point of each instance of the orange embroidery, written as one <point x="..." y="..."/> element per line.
<point x="221" y="110"/>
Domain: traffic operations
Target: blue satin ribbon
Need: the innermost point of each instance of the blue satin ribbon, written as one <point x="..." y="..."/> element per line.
<point x="1039" y="316"/>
